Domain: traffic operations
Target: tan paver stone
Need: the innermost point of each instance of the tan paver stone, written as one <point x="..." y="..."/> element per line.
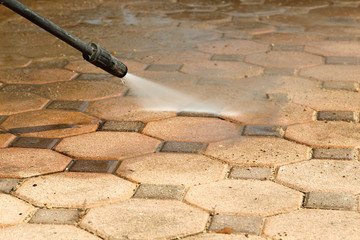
<point x="326" y="134"/>
<point x="244" y="197"/>
<point x="27" y="162"/>
<point x="170" y="56"/>
<point x="107" y="145"/>
<point x="322" y="175"/>
<point x="288" y="38"/>
<point x="35" y="76"/>
<point x="81" y="90"/>
<point x="268" y="113"/>
<point x="337" y="12"/>
<point x="334" y="48"/>
<point x="145" y="219"/>
<point x="242" y="47"/>
<point x="13" y="210"/>
<point x="222" y="69"/>
<point x="191" y="129"/>
<point x="125" y="109"/>
<point x="258" y="151"/>
<point x="55" y="216"/>
<point x="45" y="232"/>
<point x="314" y="224"/>
<point x="14" y="102"/>
<point x="28" y="121"/>
<point x="328" y="100"/>
<point x="287" y="59"/>
<point x="13" y="60"/>
<point x="335" y="31"/>
<point x="75" y="190"/>
<point x="327" y="72"/>
<point x="215" y="236"/>
<point x="6" y="139"/>
<point x="84" y="67"/>
<point x="171" y="168"/>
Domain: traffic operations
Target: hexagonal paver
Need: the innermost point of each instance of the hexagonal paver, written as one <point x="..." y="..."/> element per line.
<point x="27" y="162"/>
<point x="268" y="113"/>
<point x="314" y="224"/>
<point x="145" y="219"/>
<point x="81" y="90"/>
<point x="13" y="210"/>
<point x="244" y="197"/>
<point x="334" y="48"/>
<point x="50" y="123"/>
<point x="75" y="190"/>
<point x="45" y="232"/>
<point x="12" y="103"/>
<point x="171" y="168"/>
<point x="328" y="100"/>
<point x="332" y="72"/>
<point x="107" y="145"/>
<point x="126" y="109"/>
<point x="278" y="38"/>
<point x="278" y="59"/>
<point x="35" y="75"/>
<point x="230" y="47"/>
<point x="337" y="12"/>
<point x="84" y="67"/>
<point x="326" y="134"/>
<point x="258" y="151"/>
<point x="222" y="69"/>
<point x="220" y="236"/>
<point x="172" y="56"/>
<point x="322" y="175"/>
<point x="191" y="129"/>
<point x="6" y="139"/>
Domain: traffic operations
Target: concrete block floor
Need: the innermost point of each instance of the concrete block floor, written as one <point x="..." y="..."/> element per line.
<point x="81" y="157"/>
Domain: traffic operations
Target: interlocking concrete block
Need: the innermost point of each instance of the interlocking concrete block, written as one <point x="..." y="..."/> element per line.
<point x="334" y="201"/>
<point x="75" y="190"/>
<point x="334" y="48"/>
<point x="325" y="134"/>
<point x="258" y="173"/>
<point x="191" y="129"/>
<point x="244" y="197"/>
<point x="145" y="218"/>
<point x="334" y="153"/>
<point x="151" y="191"/>
<point x="50" y="123"/>
<point x="93" y="166"/>
<point x="289" y="59"/>
<point x="238" y="224"/>
<point x="107" y="145"/>
<point x="184" y="147"/>
<point x="17" y="102"/>
<point x="313" y="224"/>
<point x="239" y="47"/>
<point x="126" y="109"/>
<point x="55" y="216"/>
<point x="36" y="75"/>
<point x="8" y="184"/>
<point x="315" y="175"/>
<point x="336" y="116"/>
<point x="45" y="232"/>
<point x="31" y="142"/>
<point x="258" y="151"/>
<point x="119" y="126"/>
<point x="28" y="162"/>
<point x="13" y="210"/>
<point x="345" y="73"/>
<point x="68" y="105"/>
<point x="172" y="169"/>
<point x="6" y="139"/>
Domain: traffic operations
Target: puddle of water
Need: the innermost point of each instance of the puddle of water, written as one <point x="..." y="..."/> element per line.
<point x="156" y="97"/>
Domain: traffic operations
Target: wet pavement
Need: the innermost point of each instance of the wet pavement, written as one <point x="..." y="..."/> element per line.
<point x="81" y="158"/>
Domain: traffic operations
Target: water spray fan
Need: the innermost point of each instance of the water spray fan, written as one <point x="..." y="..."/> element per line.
<point x="92" y="53"/>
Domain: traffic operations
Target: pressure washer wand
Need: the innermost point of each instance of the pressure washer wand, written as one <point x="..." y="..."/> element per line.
<point x="92" y="53"/>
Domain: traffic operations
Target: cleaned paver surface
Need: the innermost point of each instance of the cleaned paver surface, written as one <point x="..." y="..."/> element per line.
<point x="248" y="127"/>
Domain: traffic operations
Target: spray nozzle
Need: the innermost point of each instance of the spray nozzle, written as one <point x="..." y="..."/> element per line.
<point x="103" y="59"/>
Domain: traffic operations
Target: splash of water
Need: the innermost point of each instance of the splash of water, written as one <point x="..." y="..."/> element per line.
<point x="156" y="97"/>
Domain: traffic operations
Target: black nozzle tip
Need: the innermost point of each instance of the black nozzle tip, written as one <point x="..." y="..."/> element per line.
<point x="104" y="60"/>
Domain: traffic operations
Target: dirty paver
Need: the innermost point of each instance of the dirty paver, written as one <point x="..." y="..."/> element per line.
<point x="262" y="143"/>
